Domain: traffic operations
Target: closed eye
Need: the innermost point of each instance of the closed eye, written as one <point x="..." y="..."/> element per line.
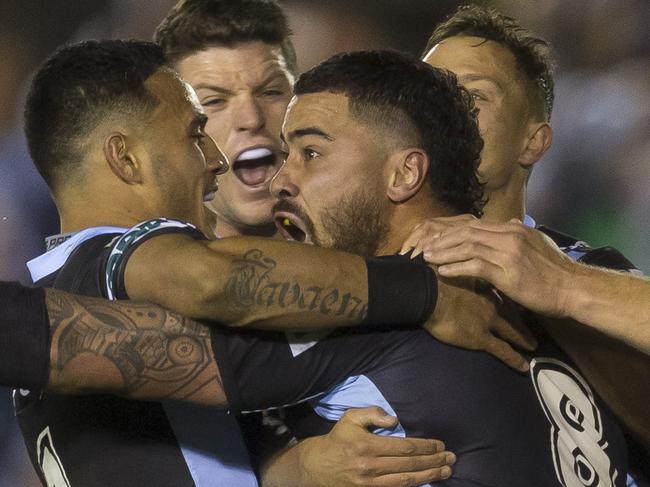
<point x="214" y="102"/>
<point x="272" y="93"/>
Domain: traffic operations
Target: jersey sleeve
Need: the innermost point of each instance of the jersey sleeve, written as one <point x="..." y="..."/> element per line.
<point x="127" y="243"/>
<point x="580" y="251"/>
<point x="263" y="370"/>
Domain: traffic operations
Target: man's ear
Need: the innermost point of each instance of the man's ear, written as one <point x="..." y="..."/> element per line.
<point x="539" y="140"/>
<point x="120" y="159"/>
<point x="408" y="172"/>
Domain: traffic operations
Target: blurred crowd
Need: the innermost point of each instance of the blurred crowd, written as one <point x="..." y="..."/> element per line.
<point x="593" y="183"/>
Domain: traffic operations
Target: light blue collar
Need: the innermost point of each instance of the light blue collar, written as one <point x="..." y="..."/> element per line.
<point x="529" y="221"/>
<point x="51" y="261"/>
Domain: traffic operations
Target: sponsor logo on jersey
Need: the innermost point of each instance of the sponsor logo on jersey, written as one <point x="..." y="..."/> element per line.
<point x="578" y="442"/>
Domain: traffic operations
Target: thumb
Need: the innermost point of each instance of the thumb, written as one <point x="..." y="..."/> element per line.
<point x="369" y="417"/>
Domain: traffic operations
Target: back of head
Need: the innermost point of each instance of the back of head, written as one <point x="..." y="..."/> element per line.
<point x="78" y="88"/>
<point x="531" y="53"/>
<point x="195" y="25"/>
<point x="416" y="104"/>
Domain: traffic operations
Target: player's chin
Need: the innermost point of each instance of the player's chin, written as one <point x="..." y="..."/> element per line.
<point x="255" y="217"/>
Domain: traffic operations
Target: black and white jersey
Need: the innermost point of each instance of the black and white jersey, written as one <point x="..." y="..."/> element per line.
<point x="545" y="428"/>
<point x="108" y="441"/>
<point x="610" y="258"/>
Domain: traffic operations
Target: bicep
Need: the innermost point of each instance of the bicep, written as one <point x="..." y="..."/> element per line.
<point x="172" y="271"/>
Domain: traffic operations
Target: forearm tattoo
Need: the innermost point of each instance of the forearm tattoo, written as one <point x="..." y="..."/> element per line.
<point x="250" y="284"/>
<point x="159" y="354"/>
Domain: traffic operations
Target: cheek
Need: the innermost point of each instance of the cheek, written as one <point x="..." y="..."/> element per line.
<point x="217" y="128"/>
<point x="275" y="115"/>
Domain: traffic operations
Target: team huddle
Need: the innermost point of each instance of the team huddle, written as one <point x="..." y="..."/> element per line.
<point x="266" y="279"/>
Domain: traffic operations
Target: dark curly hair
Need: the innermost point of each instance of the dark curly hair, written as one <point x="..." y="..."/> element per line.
<point x="193" y="25"/>
<point x="404" y="94"/>
<point x="78" y="87"/>
<point x="531" y="53"/>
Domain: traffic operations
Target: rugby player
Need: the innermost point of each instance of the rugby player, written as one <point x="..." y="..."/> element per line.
<point x="508" y="71"/>
<point x="239" y="58"/>
<point x="125" y="143"/>
<point x="381" y="115"/>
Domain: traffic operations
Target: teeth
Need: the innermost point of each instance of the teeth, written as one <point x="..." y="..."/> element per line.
<point x="210" y="196"/>
<point x="249" y="154"/>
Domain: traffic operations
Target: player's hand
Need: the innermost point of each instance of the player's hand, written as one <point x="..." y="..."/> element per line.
<point x="426" y="232"/>
<point x="350" y="455"/>
<point x="473" y="316"/>
<point x="521" y="262"/>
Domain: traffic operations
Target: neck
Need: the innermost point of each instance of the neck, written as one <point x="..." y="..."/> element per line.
<point x="505" y="204"/>
<point x="406" y="216"/>
<point x="74" y="220"/>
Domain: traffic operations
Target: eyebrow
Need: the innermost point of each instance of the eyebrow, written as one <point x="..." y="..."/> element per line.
<point x="467" y="78"/>
<point x="209" y="86"/>
<point x="305" y="132"/>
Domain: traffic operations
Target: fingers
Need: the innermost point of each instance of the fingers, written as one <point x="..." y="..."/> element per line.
<point x="517" y="335"/>
<point x="464" y="250"/>
<point x="510" y="326"/>
<point x="432" y="229"/>
<point x="405" y="467"/>
<point x="369" y="417"/>
<point x="476" y="268"/>
<point x="413" y="478"/>
<point x="386" y="465"/>
<point x="388" y="446"/>
<point x="504" y="352"/>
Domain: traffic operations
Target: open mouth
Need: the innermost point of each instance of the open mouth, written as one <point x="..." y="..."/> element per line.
<point x="291" y="228"/>
<point x="255" y="167"/>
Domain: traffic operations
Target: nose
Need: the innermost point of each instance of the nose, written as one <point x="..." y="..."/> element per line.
<point x="216" y="161"/>
<point x="250" y="115"/>
<point x="282" y="184"/>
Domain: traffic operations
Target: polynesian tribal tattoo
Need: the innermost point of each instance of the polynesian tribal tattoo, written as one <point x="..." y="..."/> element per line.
<point x="250" y="284"/>
<point x="159" y="354"/>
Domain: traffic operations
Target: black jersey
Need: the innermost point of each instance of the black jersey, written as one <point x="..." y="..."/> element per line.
<point x="109" y="441"/>
<point x="545" y="428"/>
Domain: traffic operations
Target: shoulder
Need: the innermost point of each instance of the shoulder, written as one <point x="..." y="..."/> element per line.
<point x="579" y="250"/>
<point x="124" y="246"/>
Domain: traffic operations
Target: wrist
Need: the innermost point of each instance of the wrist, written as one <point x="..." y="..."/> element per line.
<point x="308" y="450"/>
<point x="401" y="290"/>
<point x="575" y="295"/>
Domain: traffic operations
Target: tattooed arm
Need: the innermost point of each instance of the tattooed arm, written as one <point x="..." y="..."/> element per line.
<point x="130" y="349"/>
<point x="243" y="280"/>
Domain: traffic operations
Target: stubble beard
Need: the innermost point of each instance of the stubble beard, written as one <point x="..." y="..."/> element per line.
<point x="357" y="224"/>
